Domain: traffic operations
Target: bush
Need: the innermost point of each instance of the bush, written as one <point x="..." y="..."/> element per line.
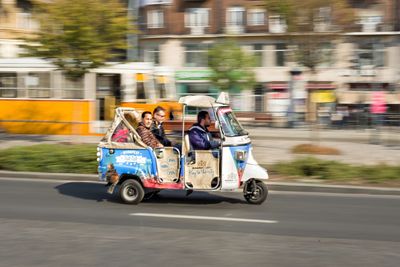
<point x="315" y="149"/>
<point x="50" y="158"/>
<point x="333" y="170"/>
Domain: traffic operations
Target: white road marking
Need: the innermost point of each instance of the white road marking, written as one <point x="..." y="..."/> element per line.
<point x="332" y="194"/>
<point x="162" y="215"/>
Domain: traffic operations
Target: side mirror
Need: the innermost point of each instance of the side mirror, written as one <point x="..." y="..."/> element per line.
<point x="216" y="124"/>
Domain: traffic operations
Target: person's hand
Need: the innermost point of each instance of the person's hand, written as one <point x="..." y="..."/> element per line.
<point x="160" y="145"/>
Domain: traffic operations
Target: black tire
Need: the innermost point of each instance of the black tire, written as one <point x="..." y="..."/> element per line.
<point x="131" y="192"/>
<point x="260" y="194"/>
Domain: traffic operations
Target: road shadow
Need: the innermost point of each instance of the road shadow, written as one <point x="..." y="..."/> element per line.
<point x="196" y="198"/>
<point x="87" y="191"/>
<point x="98" y="192"/>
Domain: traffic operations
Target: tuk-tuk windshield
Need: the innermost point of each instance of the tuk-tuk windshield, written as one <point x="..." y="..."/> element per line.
<point x="229" y="124"/>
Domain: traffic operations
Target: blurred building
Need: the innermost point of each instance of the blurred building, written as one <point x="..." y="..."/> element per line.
<point x="16" y="22"/>
<point x="178" y="33"/>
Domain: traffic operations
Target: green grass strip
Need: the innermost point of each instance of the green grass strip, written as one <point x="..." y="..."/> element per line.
<point x="334" y="170"/>
<point x="50" y="158"/>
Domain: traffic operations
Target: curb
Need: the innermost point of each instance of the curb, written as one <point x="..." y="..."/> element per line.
<point x="274" y="186"/>
<point x="322" y="188"/>
<point x="49" y="176"/>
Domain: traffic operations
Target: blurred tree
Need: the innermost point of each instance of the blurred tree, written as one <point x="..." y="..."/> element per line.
<point x="312" y="27"/>
<point x="312" y="24"/>
<point x="78" y="35"/>
<point x="231" y="66"/>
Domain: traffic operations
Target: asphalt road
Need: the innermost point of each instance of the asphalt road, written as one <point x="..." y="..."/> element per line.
<point x="50" y="223"/>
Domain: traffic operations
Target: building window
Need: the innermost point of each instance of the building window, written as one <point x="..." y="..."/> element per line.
<point x="258" y="53"/>
<point x="370" y="23"/>
<point x="235" y="16"/>
<point x="280" y="51"/>
<point x="196" y="17"/>
<point x="322" y="19"/>
<point x="196" y="55"/>
<point x="152" y="54"/>
<point x="155" y="19"/>
<point x="25" y="21"/>
<point x="277" y="24"/>
<point x="327" y="55"/>
<point x="256" y="17"/>
<point x="371" y="55"/>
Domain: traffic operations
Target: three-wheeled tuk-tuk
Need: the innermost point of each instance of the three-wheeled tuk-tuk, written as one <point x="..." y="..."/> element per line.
<point x="139" y="171"/>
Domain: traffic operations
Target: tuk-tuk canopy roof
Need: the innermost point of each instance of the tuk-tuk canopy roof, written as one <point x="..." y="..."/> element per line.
<point x="202" y="101"/>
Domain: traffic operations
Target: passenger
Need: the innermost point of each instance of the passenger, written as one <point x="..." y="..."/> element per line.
<point x="121" y="135"/>
<point x="157" y="127"/>
<point x="145" y="133"/>
<point x="199" y="136"/>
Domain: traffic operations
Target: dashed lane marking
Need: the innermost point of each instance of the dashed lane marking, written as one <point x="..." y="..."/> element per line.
<point x="210" y="218"/>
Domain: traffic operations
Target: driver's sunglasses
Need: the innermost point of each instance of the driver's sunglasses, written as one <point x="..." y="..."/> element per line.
<point x="162" y="116"/>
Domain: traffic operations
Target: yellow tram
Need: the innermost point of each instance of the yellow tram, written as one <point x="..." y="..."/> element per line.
<point x="37" y="98"/>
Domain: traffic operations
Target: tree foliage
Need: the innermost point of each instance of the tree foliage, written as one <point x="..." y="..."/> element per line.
<point x="78" y="35"/>
<point x="303" y="18"/>
<point x="231" y="66"/>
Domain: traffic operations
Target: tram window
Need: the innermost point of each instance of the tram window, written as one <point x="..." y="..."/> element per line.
<point x="8" y="85"/>
<point x="72" y="89"/>
<point x="38" y="84"/>
<point x="162" y="90"/>
<point x="140" y="90"/>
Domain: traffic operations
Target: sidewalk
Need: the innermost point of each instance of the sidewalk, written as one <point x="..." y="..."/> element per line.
<point x="387" y="136"/>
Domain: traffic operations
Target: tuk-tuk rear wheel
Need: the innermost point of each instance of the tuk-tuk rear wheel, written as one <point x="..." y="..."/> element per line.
<point x="131" y="192"/>
<point x="256" y="195"/>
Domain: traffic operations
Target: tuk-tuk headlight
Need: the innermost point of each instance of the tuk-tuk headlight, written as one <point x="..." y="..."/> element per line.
<point x="99" y="154"/>
<point x="241" y="155"/>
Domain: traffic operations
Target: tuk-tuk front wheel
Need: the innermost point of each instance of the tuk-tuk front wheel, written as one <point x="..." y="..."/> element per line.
<point x="131" y="192"/>
<point x="255" y="192"/>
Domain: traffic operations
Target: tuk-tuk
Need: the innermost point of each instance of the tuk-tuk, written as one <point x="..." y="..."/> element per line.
<point x="141" y="172"/>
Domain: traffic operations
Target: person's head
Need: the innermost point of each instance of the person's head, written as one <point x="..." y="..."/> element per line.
<point x="159" y="114"/>
<point x="203" y="118"/>
<point x="147" y="119"/>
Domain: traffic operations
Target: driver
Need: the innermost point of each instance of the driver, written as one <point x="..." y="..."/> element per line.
<point x="199" y="136"/>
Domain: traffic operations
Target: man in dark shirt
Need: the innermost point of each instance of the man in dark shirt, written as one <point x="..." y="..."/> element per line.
<point x="199" y="136"/>
<point x="157" y="126"/>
